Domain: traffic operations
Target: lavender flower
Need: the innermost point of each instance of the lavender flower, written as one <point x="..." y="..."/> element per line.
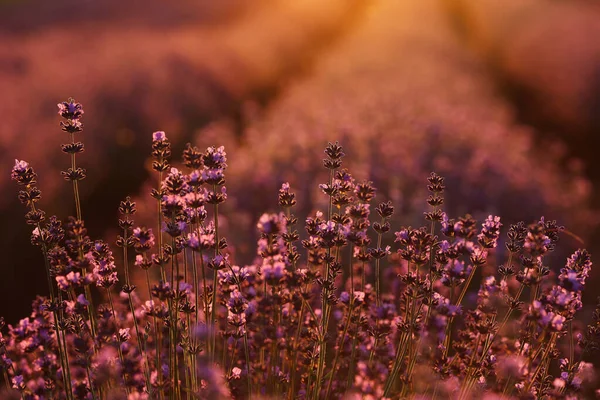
<point x="22" y="173"/>
<point x="490" y="232"/>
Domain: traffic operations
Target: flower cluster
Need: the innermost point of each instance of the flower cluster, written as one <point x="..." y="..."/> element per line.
<point x="366" y="313"/>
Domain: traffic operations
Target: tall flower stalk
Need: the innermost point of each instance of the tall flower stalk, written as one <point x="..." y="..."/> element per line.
<point x="72" y="112"/>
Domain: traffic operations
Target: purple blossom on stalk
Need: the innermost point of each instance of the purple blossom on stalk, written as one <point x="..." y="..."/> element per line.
<point x="73" y="280"/>
<point x="18" y="383"/>
<point x="545" y="318"/>
<point x="142" y="262"/>
<point x="22" y="173"/>
<point x="78" y="306"/>
<point x="286" y="197"/>
<point x="490" y="232"/>
<point x="70" y="109"/>
<point x="231" y="276"/>
<point x="172" y="204"/>
<point x="212" y="175"/>
<point x="447" y="225"/>
<point x="194" y="178"/>
<point x="72" y="113"/>
<point x="273" y="272"/>
<point x="174" y="228"/>
<point x="202" y="238"/>
<point x="159" y="136"/>
<point x="272" y="224"/>
<point x="444" y="307"/>
<point x="219" y="262"/>
<point x="195" y="199"/>
<point x="215" y="158"/>
<point x="123" y="335"/>
<point x="577" y="269"/>
<point x="403" y="236"/>
<point x="195" y="215"/>
<point x="455" y="271"/>
<point x="175" y="183"/>
<point x="144" y="238"/>
<point x="327" y="229"/>
<point x="537" y="243"/>
<point x="562" y="300"/>
<point x="215" y="162"/>
<point x="236" y="303"/>
<point x="105" y="270"/>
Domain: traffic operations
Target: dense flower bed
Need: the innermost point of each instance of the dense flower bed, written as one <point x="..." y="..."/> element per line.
<point x="322" y="312"/>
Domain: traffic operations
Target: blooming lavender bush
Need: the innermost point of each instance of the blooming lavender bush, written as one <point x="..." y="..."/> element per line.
<point x="343" y="309"/>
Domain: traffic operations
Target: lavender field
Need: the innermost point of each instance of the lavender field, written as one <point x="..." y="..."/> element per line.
<point x="299" y="200"/>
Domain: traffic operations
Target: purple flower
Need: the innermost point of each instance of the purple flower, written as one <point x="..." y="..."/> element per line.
<point x="215" y="158"/>
<point x="70" y="109"/>
<point x="537" y="243"/>
<point x="20" y="167"/>
<point x="545" y="318"/>
<point x="488" y="237"/>
<point x="272" y="224"/>
<point x="144" y="238"/>
<point x="18" y="383"/>
<point x="22" y="173"/>
<point x="73" y="279"/>
<point x="159" y="136"/>
<point x="194" y="178"/>
<point x="123" y="335"/>
<point x="219" y="262"/>
<point x="274" y="272"/>
<point x="202" y="238"/>
<point x="212" y="175"/>
<point x="403" y="236"/>
<point x="577" y="269"/>
<point x="172" y="205"/>
<point x="344" y="297"/>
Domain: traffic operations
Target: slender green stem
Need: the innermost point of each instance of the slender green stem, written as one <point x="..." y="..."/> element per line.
<point x="414" y="357"/>
<point x="75" y="182"/>
<point x="403" y="346"/>
<point x="163" y="277"/>
<point x="295" y="354"/>
<point x="213" y="322"/>
<point x="324" y="305"/>
<point x="6" y="381"/>
<point x="175" y="321"/>
<point x="62" y="351"/>
<point x="246" y="348"/>
<point x="400" y="349"/>
<point x="377" y="267"/>
<point x="463" y="292"/>
<point x="571" y="343"/>
<point x="541" y="363"/>
<point x="88" y="293"/>
<point x="205" y="305"/>
<point x="157" y="336"/>
<point x="352" y="364"/>
<point x="195" y="278"/>
<point x="340" y="349"/>
<point x="120" y="352"/>
<point x="138" y="337"/>
<point x="232" y="359"/>
<point x="65" y="354"/>
<point x="502" y="324"/>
